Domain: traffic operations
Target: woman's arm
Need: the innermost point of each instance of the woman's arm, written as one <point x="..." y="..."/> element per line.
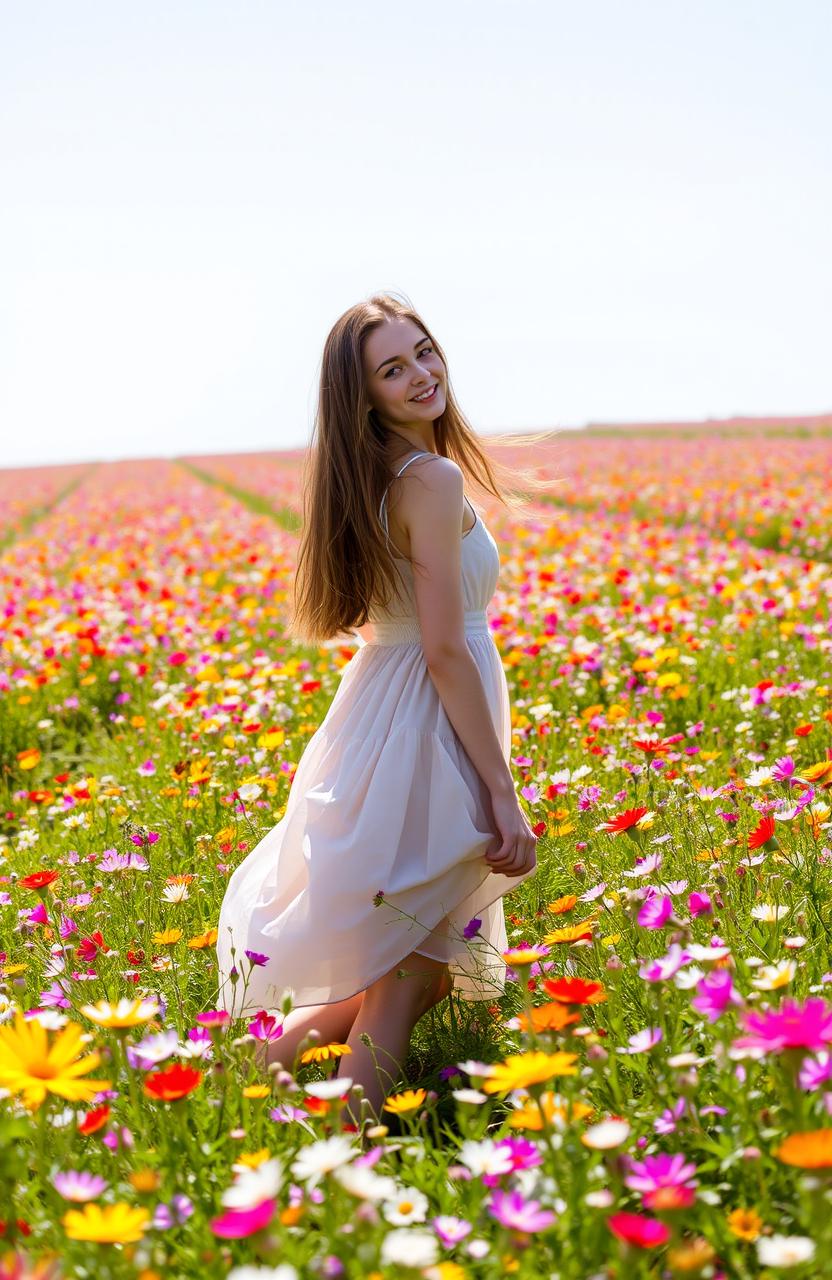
<point x="432" y="514"/>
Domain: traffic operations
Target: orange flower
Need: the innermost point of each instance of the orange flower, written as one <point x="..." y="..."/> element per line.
<point x="745" y="1223"/>
<point x="572" y="933"/>
<point x="807" y="1150"/>
<point x="172" y="1084"/>
<point x="201" y="940"/>
<point x="560" y="905"/>
<point x="548" y="1017"/>
<point x="575" y="990"/>
<point x="763" y="832"/>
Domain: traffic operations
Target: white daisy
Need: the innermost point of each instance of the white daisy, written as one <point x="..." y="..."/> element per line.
<point x="406" y="1206"/>
<point x="362" y="1182"/>
<point x="485" y="1157"/>
<point x="785" y="1251"/>
<point x="322" y="1157"/>
<point x="409" y="1247"/>
<point x="175" y="893"/>
<point x="252" y="1186"/>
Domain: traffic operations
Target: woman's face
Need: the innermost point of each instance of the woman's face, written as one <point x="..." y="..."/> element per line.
<point x="400" y="363"/>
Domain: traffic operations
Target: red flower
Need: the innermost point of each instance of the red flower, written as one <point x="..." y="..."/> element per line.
<point x="762" y="833"/>
<point x="88" y="948"/>
<point x="575" y="990"/>
<point x="174" y="1083"/>
<point x="94" y="1120"/>
<point x="622" y="821"/>
<point x="39" y="880"/>
<point x="646" y="1233"/>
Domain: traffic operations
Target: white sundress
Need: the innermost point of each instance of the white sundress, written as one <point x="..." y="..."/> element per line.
<point x="384" y="800"/>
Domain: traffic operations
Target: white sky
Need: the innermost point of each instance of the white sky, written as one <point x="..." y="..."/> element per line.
<point x="606" y="211"/>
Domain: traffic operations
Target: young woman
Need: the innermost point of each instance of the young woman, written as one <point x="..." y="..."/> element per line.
<point x="382" y="883"/>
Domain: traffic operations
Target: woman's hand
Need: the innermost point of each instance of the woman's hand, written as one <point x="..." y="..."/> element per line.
<point x="516" y="852"/>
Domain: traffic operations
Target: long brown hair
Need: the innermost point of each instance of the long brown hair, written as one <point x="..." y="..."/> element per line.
<point x="344" y="566"/>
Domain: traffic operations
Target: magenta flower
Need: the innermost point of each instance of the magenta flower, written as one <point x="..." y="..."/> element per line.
<point x="524" y="1154"/>
<point x="234" y="1224"/>
<point x="79" y="1186"/>
<point x="472" y="928"/>
<point x="264" y="1026"/>
<point x="792" y="1026"/>
<point x="655" y="912"/>
<point x="655" y="1172"/>
<point x="714" y="993"/>
<point x="517" y="1214"/>
<point x="213" y="1018"/>
<point x="645" y="1233"/>
<point x="257" y="959"/>
<point x="783" y="769"/>
<point x="699" y="904"/>
<point x="670" y="1117"/>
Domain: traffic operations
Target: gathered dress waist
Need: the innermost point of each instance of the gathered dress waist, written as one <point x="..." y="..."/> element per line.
<point x="407" y="630"/>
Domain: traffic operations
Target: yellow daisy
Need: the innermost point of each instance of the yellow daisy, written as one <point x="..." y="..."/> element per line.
<point x="33" y="1067"/>
<point x="524" y="1069"/>
<point x="324" y="1052"/>
<point x="409" y="1100"/>
<point x="167" y="937"/>
<point x="201" y="940"/>
<point x="112" y="1224"/>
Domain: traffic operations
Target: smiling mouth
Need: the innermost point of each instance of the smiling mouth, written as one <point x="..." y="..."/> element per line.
<point x="425" y="399"/>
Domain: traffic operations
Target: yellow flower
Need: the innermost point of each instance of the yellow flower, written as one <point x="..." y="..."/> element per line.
<point x="399" y="1103"/>
<point x="206" y="939"/>
<point x="745" y="1223"/>
<point x="251" y="1159"/>
<point x="167" y="937"/>
<point x="524" y="1069"/>
<point x="256" y="1091"/>
<point x="323" y="1052"/>
<point x="127" y="1013"/>
<point x="112" y="1224"/>
<point x="556" y="1109"/>
<point x="30" y="1065"/>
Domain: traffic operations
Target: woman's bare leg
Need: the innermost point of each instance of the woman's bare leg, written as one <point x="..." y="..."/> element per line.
<point x="332" y="1021"/>
<point x="389" y="1011"/>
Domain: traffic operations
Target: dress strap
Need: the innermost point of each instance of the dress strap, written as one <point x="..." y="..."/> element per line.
<point x="382" y="511"/>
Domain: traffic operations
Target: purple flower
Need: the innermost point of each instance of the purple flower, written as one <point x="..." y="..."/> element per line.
<point x="256" y="958"/>
<point x="512" y="1211"/>
<point x="54" y="998"/>
<point x="655" y="912"/>
<point x="170" y="1215"/>
<point x="667" y="1121"/>
<point x="783" y="769"/>
<point x="714" y="993"/>
<point x="472" y="928"/>
<point x="77" y="1185"/>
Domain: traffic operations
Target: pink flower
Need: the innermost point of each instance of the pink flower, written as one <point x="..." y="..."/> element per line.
<point x="512" y="1211"/>
<point x="665" y="967"/>
<point x="524" y="1154"/>
<point x="646" y="1233"/>
<point x="699" y="904"/>
<point x="815" y="1071"/>
<point x="644" y="1041"/>
<point x="264" y="1026"/>
<point x="236" y="1223"/>
<point x="658" y="1171"/>
<point x="714" y="993"/>
<point x="655" y="912"/>
<point x="450" y="1230"/>
<point x="792" y="1026"/>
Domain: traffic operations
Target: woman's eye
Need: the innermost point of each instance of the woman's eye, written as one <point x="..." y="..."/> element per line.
<point x="397" y="366"/>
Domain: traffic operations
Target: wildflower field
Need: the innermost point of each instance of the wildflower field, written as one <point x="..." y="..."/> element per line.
<point x="653" y="1094"/>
